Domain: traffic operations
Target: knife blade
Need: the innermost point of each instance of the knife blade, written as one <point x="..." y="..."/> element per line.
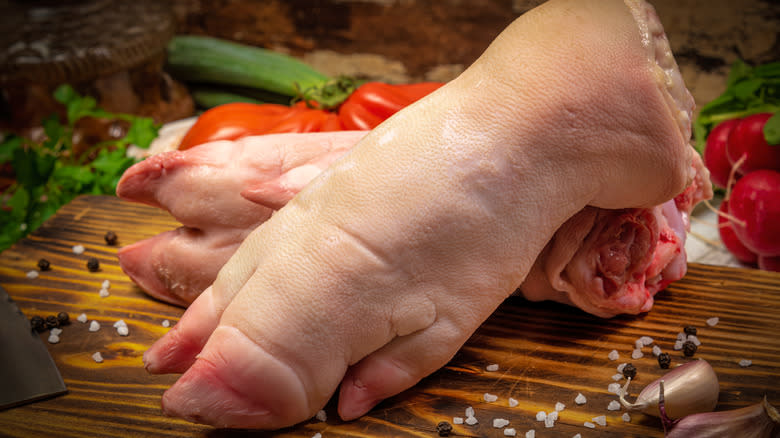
<point x="27" y="371"/>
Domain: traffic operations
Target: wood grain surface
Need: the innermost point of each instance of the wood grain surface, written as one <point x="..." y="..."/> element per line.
<point x="546" y="352"/>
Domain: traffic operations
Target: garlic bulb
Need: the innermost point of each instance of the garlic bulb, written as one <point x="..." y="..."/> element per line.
<point x="689" y="389"/>
<point x="760" y="420"/>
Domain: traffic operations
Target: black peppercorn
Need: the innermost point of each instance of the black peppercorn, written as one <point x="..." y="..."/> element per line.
<point x="111" y="238"/>
<point x="690" y="330"/>
<point x="93" y="264"/>
<point x="44" y="265"/>
<point x="37" y="323"/>
<point x="689" y="348"/>
<point x="52" y="322"/>
<point x="629" y="371"/>
<point x="63" y="318"/>
<point x="444" y="428"/>
<point x="664" y="360"/>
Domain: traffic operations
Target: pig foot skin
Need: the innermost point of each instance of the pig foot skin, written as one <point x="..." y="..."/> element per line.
<point x="378" y="271"/>
<point x="220" y="191"/>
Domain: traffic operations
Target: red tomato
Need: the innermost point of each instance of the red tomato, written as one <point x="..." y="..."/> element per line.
<point x="755" y="201"/>
<point x="373" y="102"/>
<point x="715" y="157"/>
<point x="232" y="121"/>
<point x="747" y="140"/>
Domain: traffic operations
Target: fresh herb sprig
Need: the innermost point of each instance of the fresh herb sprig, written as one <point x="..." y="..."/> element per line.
<point x="749" y="90"/>
<point x="49" y="174"/>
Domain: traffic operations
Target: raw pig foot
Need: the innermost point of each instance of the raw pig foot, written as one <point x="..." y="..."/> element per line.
<point x="220" y="191"/>
<point x="377" y="272"/>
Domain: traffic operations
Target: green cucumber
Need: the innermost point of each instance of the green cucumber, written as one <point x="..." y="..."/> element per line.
<point x="204" y="59"/>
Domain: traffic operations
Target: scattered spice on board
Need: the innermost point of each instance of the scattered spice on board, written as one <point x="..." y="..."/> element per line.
<point x="78" y="249"/>
<point x="580" y="399"/>
<point x="690" y="330"/>
<point x="93" y="264"/>
<point x="490" y="398"/>
<point x="629" y="371"/>
<point x="492" y="367"/>
<point x="37" y="323"/>
<point x="444" y="428"/>
<point x="664" y="360"/>
<point x="63" y="318"/>
<point x="745" y="363"/>
<point x="457" y="420"/>
<point x="499" y="423"/>
<point x="32" y="274"/>
<point x="97" y="357"/>
<point x="82" y="318"/>
<point x="712" y="322"/>
<point x="509" y="431"/>
<point x="111" y="238"/>
<point x="689" y="348"/>
<point x="52" y="321"/>
<point x="44" y="265"/>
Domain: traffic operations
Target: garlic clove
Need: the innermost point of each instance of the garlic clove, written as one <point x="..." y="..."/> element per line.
<point x="689" y="389"/>
<point x="760" y="420"/>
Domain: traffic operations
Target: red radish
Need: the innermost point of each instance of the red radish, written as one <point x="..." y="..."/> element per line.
<point x="747" y="139"/>
<point x="715" y="157"/>
<point x="755" y="204"/>
<point x="730" y="239"/>
<point x="769" y="263"/>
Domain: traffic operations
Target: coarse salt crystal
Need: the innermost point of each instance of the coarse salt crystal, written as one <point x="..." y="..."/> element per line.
<point x="617" y="377"/>
<point x="682" y="336"/>
<point x="614" y="388"/>
<point x="103" y="293"/>
<point x="559" y="406"/>
<point x="32" y="274"/>
<point x="549" y="422"/>
<point x="541" y="415"/>
<point x="601" y="420"/>
<point x="694" y="339"/>
<point x="490" y="398"/>
<point x="638" y="344"/>
<point x="106" y="284"/>
<point x="637" y="354"/>
<point x="513" y="402"/>
<point x="317" y="435"/>
<point x="120" y="323"/>
<point x="577" y="436"/>
<point x="712" y="322"/>
<point x="94" y="326"/>
<point x="122" y="330"/>
<point x="55" y="331"/>
<point x="469" y="411"/>
<point x="82" y="318"/>
<point x="646" y="340"/>
<point x="678" y="345"/>
<point x="498" y="423"/>
<point x="553" y="415"/>
<point x="97" y="357"/>
<point x="613" y="355"/>
<point x="745" y="363"/>
<point x="166" y="323"/>
<point x="457" y="420"/>
<point x="492" y="367"/>
<point x="471" y="421"/>
<point x="589" y="424"/>
<point x="656" y="350"/>
<point x="626" y="417"/>
<point x="530" y="434"/>
<point x="321" y="415"/>
<point x="53" y="339"/>
<point x="621" y="367"/>
<point x="613" y="406"/>
<point x="78" y="249"/>
<point x="580" y="399"/>
<point x="510" y="432"/>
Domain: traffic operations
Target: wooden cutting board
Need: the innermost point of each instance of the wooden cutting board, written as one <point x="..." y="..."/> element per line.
<point x="546" y="353"/>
